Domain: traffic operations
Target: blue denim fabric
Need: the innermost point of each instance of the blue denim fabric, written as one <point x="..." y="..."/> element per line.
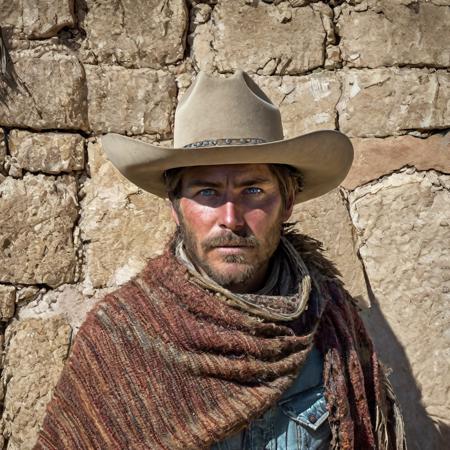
<point x="297" y="422"/>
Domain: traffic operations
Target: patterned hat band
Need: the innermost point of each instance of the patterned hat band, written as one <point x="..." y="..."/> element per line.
<point x="225" y="141"/>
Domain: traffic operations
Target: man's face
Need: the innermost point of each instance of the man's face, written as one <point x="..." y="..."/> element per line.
<point x="230" y="217"/>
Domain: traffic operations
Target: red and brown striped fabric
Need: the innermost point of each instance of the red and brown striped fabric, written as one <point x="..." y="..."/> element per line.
<point x="164" y="364"/>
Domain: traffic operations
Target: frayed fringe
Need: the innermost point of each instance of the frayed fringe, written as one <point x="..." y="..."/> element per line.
<point x="397" y="426"/>
<point x="311" y="250"/>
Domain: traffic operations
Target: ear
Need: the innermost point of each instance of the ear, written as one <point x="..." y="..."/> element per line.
<point x="174" y="213"/>
<point x="289" y="207"/>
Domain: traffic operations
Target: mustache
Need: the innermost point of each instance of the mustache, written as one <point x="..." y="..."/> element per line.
<point x="230" y="240"/>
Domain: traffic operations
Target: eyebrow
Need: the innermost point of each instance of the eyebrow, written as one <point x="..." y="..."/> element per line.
<point x="197" y="182"/>
<point x="201" y="183"/>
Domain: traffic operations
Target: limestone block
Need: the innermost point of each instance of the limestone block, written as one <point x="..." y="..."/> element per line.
<point x="133" y="33"/>
<point x="27" y="293"/>
<point x="44" y="18"/>
<point x="404" y="227"/>
<point x="37" y="19"/>
<point x="400" y="33"/>
<point x="239" y="35"/>
<point x="132" y="101"/>
<point x="12" y="168"/>
<point x="67" y="301"/>
<point x="377" y="157"/>
<point x="47" y="152"/>
<point x="306" y="103"/>
<point x="327" y="219"/>
<point x="50" y="92"/>
<point x="121" y="225"/>
<point x="398" y="100"/>
<point x="11" y="18"/>
<point x="7" y="301"/>
<point x="35" y="354"/>
<point x="37" y="217"/>
<point x="200" y="13"/>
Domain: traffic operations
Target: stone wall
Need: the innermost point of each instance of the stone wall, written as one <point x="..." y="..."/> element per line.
<point x="72" y="229"/>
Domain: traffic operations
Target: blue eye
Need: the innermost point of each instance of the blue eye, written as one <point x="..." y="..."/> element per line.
<point x="207" y="192"/>
<point x="253" y="190"/>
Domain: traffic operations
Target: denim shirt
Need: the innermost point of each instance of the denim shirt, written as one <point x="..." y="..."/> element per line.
<point x="298" y="421"/>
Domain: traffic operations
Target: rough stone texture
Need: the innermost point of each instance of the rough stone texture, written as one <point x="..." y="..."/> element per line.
<point x="7" y="301"/>
<point x="327" y="220"/>
<point x="27" y="293"/>
<point x="404" y="227"/>
<point x="397" y="99"/>
<point x="400" y="33"/>
<point x="133" y="33"/>
<point x="11" y="19"/>
<point x="110" y="206"/>
<point x="67" y="301"/>
<point x="229" y="40"/>
<point x="377" y="157"/>
<point x="2" y="150"/>
<point x="306" y="103"/>
<point x="37" y="217"/>
<point x="46" y="152"/>
<point x="36" y="350"/>
<point x="37" y="19"/>
<point x="131" y="101"/>
<point x="49" y="92"/>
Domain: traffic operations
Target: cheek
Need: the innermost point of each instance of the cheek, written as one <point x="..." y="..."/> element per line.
<point x="198" y="218"/>
<point x="263" y="219"/>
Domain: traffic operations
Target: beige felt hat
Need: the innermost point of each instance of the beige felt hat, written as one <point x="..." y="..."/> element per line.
<point x="231" y="121"/>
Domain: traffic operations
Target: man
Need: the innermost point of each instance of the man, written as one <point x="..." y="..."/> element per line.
<point x="240" y="336"/>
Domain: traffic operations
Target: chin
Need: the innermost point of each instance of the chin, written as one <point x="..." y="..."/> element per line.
<point x="227" y="273"/>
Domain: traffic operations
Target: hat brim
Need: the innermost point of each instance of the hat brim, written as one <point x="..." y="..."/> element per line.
<point x="323" y="158"/>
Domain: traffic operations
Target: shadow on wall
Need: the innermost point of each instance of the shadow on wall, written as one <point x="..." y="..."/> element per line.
<point x="422" y="432"/>
<point x="8" y="76"/>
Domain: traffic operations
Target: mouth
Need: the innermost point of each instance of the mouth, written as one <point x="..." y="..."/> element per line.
<point x="232" y="249"/>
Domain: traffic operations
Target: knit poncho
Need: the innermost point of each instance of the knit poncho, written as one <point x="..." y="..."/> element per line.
<point x="163" y="363"/>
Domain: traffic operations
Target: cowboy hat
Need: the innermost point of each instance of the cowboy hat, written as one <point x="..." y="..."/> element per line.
<point x="231" y="121"/>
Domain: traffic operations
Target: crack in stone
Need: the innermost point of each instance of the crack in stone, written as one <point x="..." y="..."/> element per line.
<point x="286" y="94"/>
<point x="82" y="133"/>
<point x="185" y="38"/>
<point x="212" y="42"/>
<point x="76" y="236"/>
<point x="46" y="174"/>
<point x="403" y="169"/>
<point x="336" y="106"/>
<point x="325" y="39"/>
<point x="436" y="94"/>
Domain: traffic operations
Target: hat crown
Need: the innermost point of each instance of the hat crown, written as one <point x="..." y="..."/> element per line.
<point x="225" y="108"/>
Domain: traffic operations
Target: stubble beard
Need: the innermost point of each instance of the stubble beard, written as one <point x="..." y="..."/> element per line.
<point x="245" y="270"/>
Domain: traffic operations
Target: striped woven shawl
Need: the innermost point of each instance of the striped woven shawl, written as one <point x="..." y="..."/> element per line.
<point x="163" y="363"/>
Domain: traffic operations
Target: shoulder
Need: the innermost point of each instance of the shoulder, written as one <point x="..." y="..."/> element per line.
<point x="312" y="252"/>
<point x="119" y="308"/>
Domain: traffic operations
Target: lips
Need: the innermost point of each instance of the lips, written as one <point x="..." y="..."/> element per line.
<point x="231" y="249"/>
<point x="232" y="246"/>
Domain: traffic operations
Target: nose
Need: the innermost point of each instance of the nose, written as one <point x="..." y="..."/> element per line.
<point x="231" y="216"/>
